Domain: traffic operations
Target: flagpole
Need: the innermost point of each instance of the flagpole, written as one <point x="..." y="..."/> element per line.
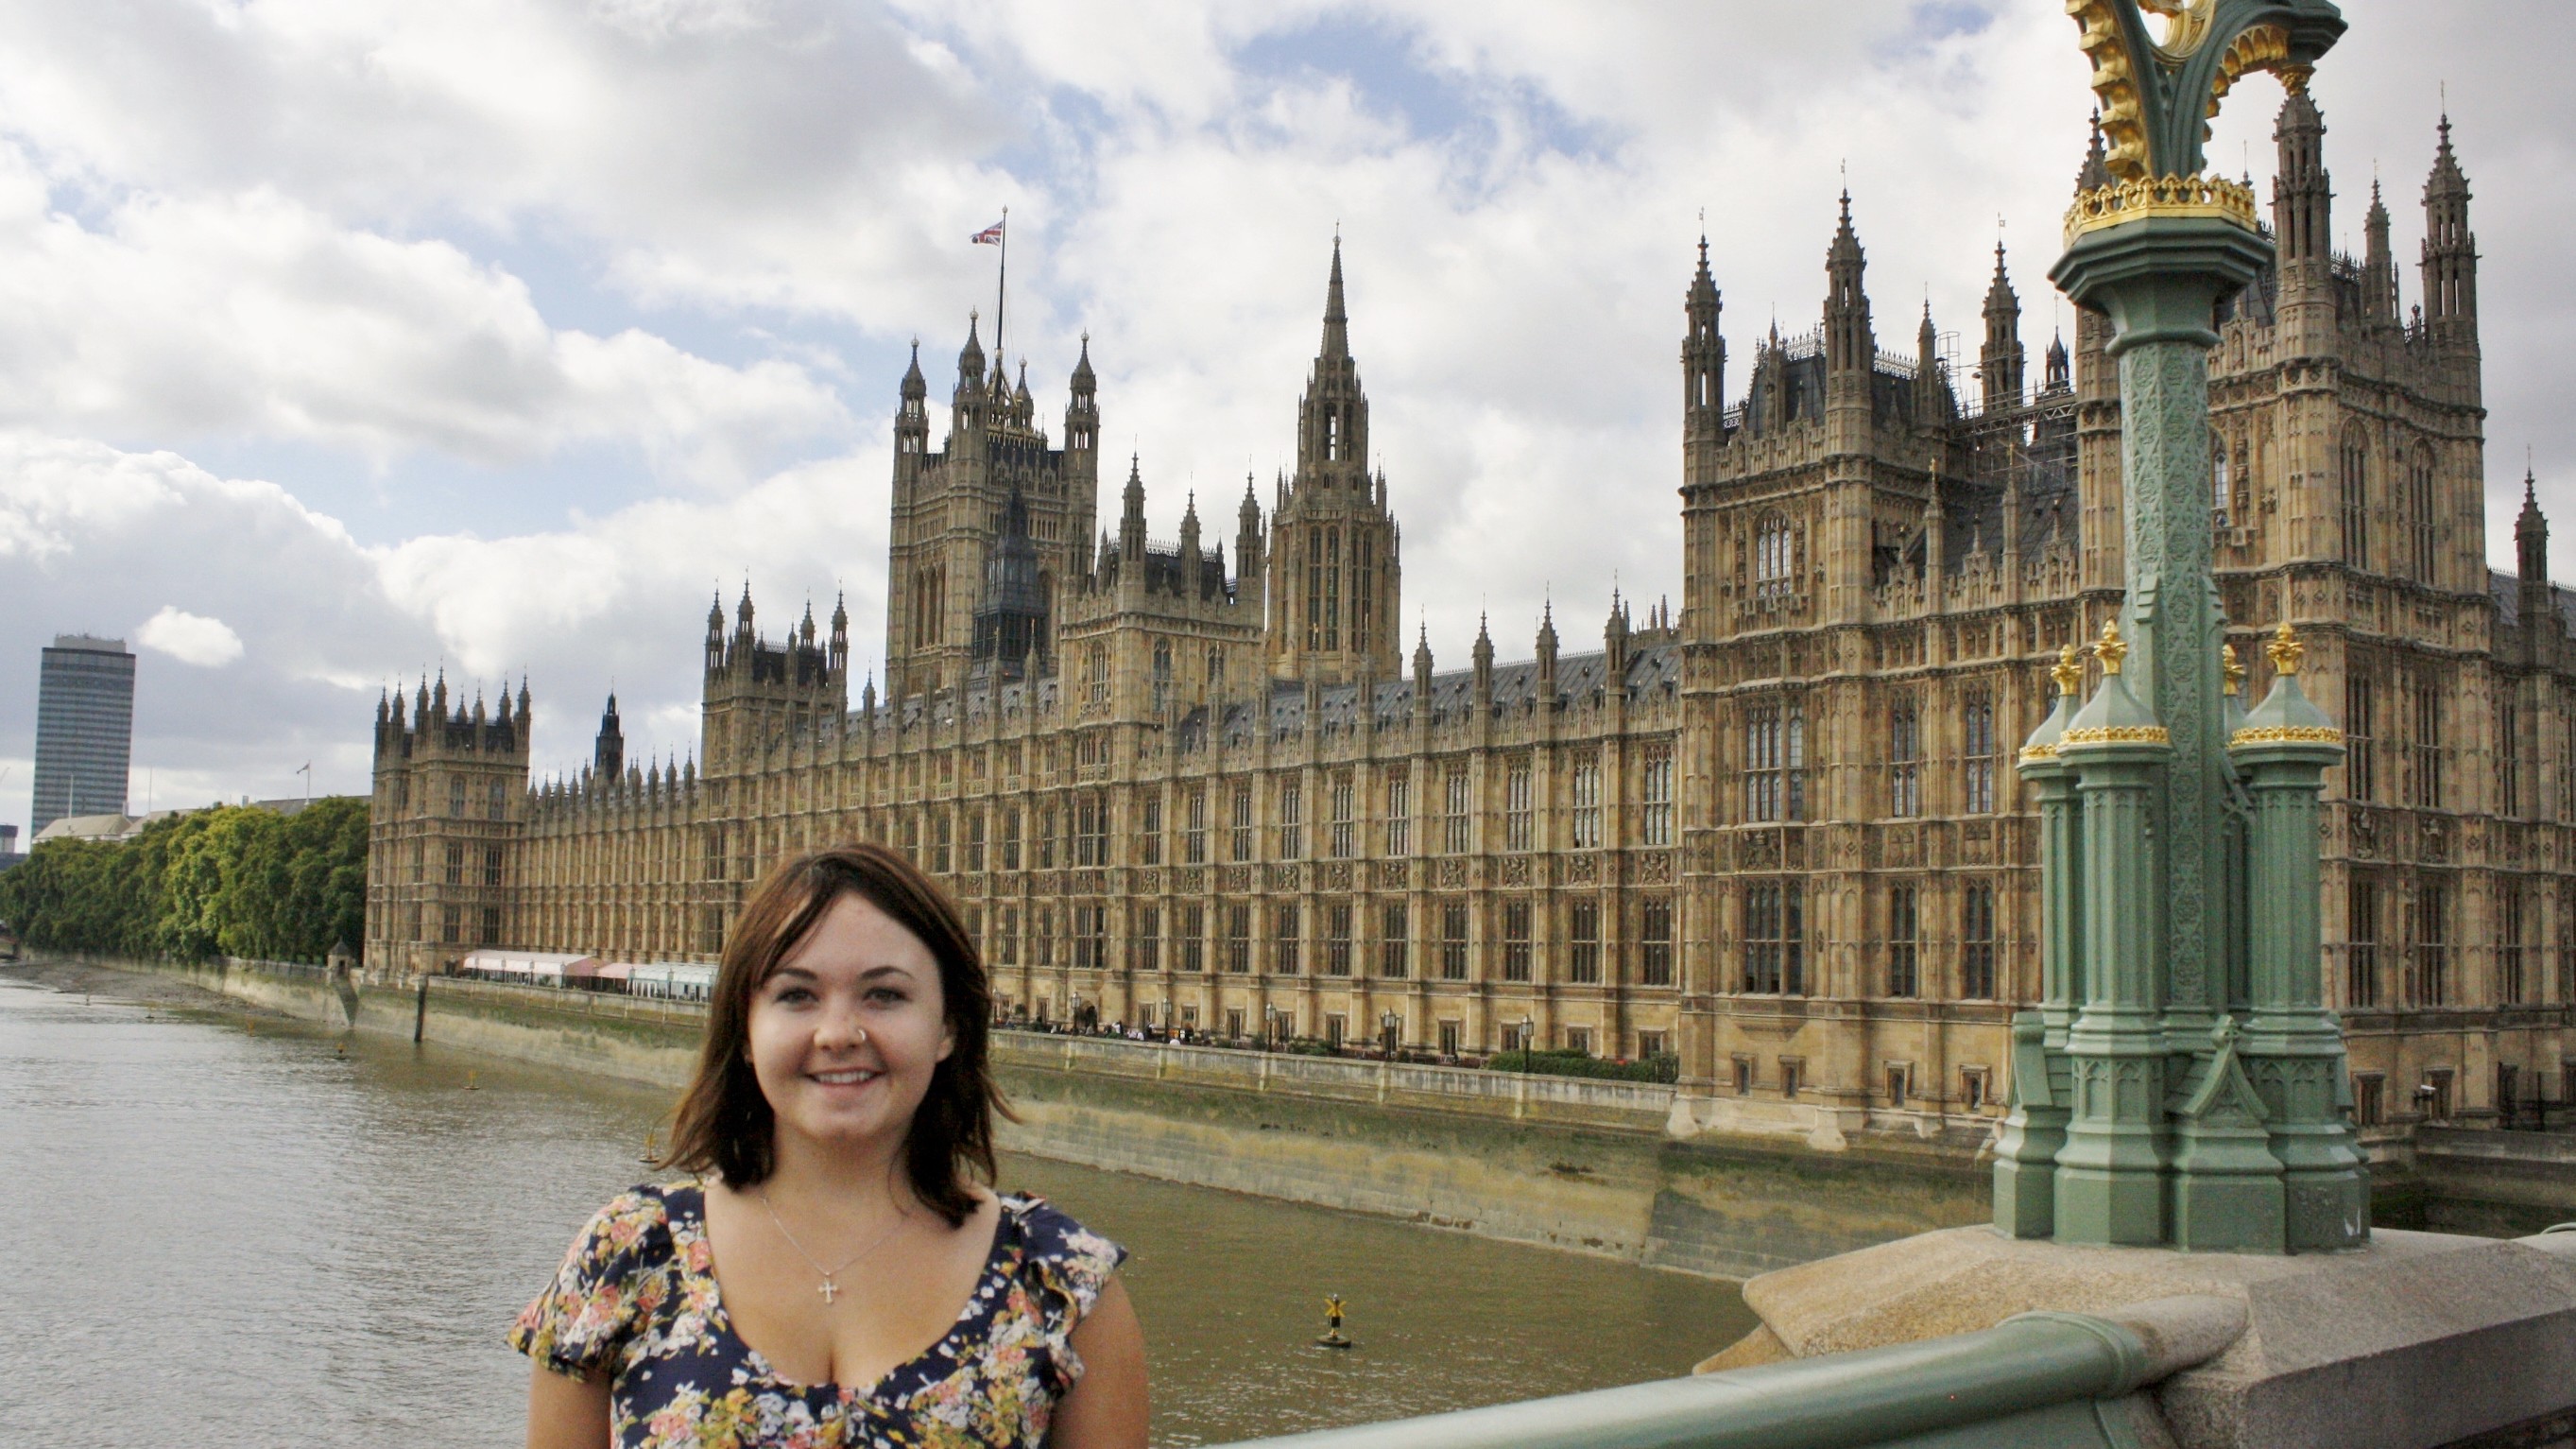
<point x="1001" y="288"/>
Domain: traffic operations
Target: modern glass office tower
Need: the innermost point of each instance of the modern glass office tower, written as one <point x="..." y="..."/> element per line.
<point x="84" y="729"/>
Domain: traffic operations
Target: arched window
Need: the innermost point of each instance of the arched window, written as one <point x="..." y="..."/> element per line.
<point x="1978" y="730"/>
<point x="1162" y="674"/>
<point x="2422" y="536"/>
<point x="1773" y="557"/>
<point x="2354" y="504"/>
<point x="1904" y="759"/>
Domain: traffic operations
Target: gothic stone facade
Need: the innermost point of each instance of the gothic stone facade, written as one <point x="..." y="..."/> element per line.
<point x="1776" y="834"/>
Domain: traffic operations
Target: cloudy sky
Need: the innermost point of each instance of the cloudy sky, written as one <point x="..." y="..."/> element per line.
<point x="346" y="339"/>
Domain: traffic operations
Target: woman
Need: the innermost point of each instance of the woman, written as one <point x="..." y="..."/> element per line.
<point x="836" y="1273"/>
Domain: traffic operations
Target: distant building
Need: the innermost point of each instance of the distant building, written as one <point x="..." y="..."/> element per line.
<point x="111" y="829"/>
<point x="118" y="829"/>
<point x="9" y="854"/>
<point x="84" y="729"/>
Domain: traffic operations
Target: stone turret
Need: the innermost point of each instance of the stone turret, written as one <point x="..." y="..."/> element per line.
<point x="967" y="399"/>
<point x="1131" y="518"/>
<point x="2534" y="598"/>
<point x="1482" y="659"/>
<point x="1850" y="346"/>
<point x="2450" y="263"/>
<point x="911" y="420"/>
<point x="1082" y="414"/>
<point x="608" y="751"/>
<point x="1546" y="654"/>
<point x="2379" y="265"/>
<point x="1703" y="354"/>
<point x="1928" y="412"/>
<point x="2302" y="230"/>
<point x="1248" y="534"/>
<point x="2000" y="361"/>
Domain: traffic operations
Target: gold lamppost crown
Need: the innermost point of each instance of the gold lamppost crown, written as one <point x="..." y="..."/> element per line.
<point x="2234" y="671"/>
<point x="2068" y="674"/>
<point x="2112" y="648"/>
<point x="2159" y="93"/>
<point x="2286" y="651"/>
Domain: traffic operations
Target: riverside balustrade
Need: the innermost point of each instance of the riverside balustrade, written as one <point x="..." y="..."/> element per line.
<point x="2057" y="1379"/>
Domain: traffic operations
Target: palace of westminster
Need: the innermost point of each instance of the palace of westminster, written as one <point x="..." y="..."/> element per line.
<point x="1777" y="833"/>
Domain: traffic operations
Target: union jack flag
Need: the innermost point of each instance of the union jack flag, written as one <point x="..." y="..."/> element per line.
<point x="990" y="236"/>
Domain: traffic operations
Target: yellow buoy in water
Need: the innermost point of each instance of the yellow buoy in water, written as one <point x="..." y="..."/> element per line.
<point x="648" y="1156"/>
<point x="469" y="1083"/>
<point x="1332" y="1337"/>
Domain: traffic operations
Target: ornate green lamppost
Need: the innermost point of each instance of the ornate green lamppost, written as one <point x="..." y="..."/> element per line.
<point x="2180" y="1082"/>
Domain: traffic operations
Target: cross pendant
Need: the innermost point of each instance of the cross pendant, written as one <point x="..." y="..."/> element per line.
<point x="828" y="1288"/>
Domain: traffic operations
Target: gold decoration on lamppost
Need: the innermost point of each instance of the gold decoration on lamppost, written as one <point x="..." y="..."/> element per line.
<point x="2187" y="26"/>
<point x="2068" y="674"/>
<point x="2286" y="651"/>
<point x="2234" y="671"/>
<point x="2112" y="648"/>
<point x="2159" y="93"/>
<point x="2214" y="197"/>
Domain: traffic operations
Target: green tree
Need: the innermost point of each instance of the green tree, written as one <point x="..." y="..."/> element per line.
<point x="231" y="880"/>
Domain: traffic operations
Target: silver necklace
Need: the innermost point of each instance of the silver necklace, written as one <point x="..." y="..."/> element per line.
<point x="828" y="1288"/>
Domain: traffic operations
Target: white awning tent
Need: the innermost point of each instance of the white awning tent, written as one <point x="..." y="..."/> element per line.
<point x="683" y="980"/>
<point x="548" y="968"/>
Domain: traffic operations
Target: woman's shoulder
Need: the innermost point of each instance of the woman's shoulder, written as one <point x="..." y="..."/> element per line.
<point x="1050" y="1237"/>
<point x="626" y="1264"/>
<point x="645" y="1213"/>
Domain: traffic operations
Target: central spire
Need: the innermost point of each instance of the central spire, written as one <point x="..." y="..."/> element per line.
<point x="1332" y="549"/>
<point x="1337" y="325"/>
<point x="1332" y="443"/>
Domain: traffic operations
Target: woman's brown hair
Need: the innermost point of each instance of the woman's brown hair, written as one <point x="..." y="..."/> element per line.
<point x="723" y="1123"/>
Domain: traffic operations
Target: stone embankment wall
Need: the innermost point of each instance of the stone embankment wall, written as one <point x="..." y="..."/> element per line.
<point x="1572" y="1163"/>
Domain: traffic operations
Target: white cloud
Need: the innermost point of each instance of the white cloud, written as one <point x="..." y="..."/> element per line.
<point x="626" y="595"/>
<point x="190" y="638"/>
<point x="254" y="316"/>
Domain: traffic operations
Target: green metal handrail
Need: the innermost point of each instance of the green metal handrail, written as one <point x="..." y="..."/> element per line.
<point x="1883" y="1396"/>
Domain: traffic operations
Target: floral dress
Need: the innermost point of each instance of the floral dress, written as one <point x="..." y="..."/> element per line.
<point x="637" y="1296"/>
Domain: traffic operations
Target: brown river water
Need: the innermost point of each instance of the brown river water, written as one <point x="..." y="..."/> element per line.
<point x="224" y="1232"/>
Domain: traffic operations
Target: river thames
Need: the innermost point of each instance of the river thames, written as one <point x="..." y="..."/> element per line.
<point x="231" y="1234"/>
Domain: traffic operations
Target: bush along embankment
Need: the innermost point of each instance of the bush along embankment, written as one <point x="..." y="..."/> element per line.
<point x="1546" y="1063"/>
<point x="230" y="881"/>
